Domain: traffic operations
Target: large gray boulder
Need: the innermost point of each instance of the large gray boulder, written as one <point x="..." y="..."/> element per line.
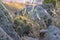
<point x="54" y="32"/>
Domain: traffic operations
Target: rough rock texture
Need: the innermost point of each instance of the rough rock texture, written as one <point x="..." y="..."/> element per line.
<point x="28" y="38"/>
<point x="7" y="26"/>
<point x="49" y="8"/>
<point x="4" y="35"/>
<point x="54" y="32"/>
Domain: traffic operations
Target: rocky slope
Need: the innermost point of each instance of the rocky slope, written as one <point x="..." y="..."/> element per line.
<point x="31" y="23"/>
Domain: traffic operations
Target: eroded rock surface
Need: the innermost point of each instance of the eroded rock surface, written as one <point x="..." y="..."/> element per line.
<point x="4" y="35"/>
<point x="7" y="26"/>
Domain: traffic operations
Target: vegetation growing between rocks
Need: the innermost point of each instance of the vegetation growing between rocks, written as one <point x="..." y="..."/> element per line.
<point x="35" y="24"/>
<point x="50" y="1"/>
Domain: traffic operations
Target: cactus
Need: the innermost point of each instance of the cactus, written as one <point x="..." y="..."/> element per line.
<point x="24" y="26"/>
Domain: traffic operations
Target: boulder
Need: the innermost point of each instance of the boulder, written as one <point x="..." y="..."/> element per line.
<point x="54" y="32"/>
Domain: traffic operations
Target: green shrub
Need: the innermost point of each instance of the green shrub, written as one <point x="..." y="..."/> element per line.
<point x="50" y="1"/>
